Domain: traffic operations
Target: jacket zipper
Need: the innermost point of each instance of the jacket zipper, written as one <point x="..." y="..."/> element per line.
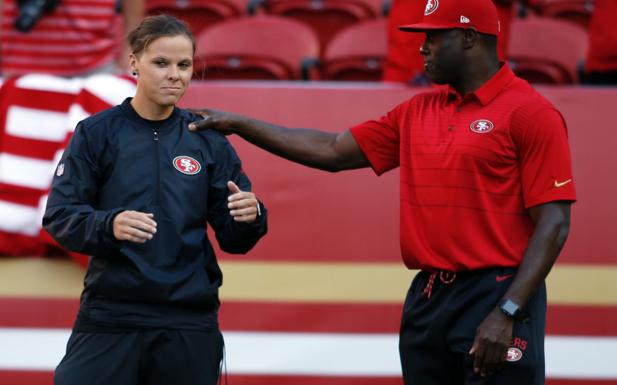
<point x="157" y="187"/>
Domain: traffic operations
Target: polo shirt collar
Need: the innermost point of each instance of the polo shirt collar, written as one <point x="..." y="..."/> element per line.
<point x="490" y="89"/>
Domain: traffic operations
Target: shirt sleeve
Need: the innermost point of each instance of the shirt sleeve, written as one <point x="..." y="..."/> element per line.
<point x="379" y="140"/>
<point x="70" y="217"/>
<point x="545" y="160"/>
<point x="233" y="237"/>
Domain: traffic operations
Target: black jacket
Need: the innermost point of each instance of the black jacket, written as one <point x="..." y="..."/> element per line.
<point x="118" y="161"/>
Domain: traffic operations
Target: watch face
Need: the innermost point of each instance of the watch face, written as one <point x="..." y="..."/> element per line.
<point x="510" y="308"/>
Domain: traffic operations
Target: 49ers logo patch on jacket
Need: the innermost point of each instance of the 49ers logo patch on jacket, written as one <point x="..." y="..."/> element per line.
<point x="187" y="165"/>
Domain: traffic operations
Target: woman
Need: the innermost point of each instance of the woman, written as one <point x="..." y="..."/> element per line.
<point x="135" y="190"/>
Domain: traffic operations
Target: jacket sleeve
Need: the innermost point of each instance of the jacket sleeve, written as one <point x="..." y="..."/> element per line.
<point x="70" y="217"/>
<point x="233" y="237"/>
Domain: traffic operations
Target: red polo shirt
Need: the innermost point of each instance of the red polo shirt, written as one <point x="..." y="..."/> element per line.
<point x="470" y="167"/>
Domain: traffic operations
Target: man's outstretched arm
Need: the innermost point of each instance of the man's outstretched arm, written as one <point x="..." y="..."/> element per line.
<point x="318" y="149"/>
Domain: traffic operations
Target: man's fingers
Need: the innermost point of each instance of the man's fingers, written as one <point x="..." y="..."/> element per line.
<point x="199" y="124"/>
<point x="492" y="361"/>
<point x="478" y="358"/>
<point x="233" y="188"/>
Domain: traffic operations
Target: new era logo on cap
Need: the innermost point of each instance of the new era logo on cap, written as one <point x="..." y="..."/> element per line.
<point x="464" y="20"/>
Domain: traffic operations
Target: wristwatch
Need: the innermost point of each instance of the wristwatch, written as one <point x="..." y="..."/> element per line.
<point x="510" y="309"/>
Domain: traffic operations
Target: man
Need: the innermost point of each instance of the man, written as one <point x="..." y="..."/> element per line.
<point x="486" y="188"/>
<point x="400" y="66"/>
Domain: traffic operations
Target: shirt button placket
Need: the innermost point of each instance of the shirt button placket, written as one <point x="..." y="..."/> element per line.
<point x="456" y="109"/>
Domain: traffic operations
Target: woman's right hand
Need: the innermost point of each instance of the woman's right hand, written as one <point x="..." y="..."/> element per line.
<point x="134" y="226"/>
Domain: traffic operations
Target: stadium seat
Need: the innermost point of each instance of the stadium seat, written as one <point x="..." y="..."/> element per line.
<point x="326" y="17"/>
<point x="357" y="52"/>
<point x="576" y="11"/>
<point x="546" y="50"/>
<point x="199" y="14"/>
<point x="261" y="47"/>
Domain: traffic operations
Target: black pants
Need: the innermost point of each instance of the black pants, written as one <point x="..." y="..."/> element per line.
<point x="153" y="357"/>
<point x="440" y="318"/>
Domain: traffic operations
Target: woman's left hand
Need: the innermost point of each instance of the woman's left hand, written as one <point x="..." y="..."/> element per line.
<point x="243" y="205"/>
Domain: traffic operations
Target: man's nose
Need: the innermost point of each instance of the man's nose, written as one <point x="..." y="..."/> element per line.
<point x="423" y="49"/>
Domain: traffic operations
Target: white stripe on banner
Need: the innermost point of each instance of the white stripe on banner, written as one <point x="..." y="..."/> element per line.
<point x="26" y="172"/>
<point x="316" y="354"/>
<point x="109" y="88"/>
<point x="76" y="115"/>
<point x="312" y="354"/>
<point x="37" y="124"/>
<point x="50" y="83"/>
<point x="20" y="219"/>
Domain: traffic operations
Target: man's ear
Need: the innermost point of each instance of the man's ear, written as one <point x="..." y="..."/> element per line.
<point x="470" y="38"/>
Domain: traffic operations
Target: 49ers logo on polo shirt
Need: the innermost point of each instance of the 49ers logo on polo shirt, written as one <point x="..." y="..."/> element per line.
<point x="186" y="165"/>
<point x="481" y="126"/>
<point x="431" y="6"/>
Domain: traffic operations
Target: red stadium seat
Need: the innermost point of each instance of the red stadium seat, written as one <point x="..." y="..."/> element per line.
<point x="357" y="52"/>
<point x="546" y="50"/>
<point x="326" y="17"/>
<point x="261" y="47"/>
<point x="199" y="14"/>
<point x="576" y="11"/>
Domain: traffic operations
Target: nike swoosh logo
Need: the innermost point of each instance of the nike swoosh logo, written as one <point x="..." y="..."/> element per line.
<point x="500" y="278"/>
<point x="560" y="184"/>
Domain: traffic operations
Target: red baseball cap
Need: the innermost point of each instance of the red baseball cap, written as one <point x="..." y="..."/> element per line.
<point x="447" y="14"/>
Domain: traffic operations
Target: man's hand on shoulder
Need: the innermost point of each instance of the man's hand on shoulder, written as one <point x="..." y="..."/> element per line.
<point x="220" y="121"/>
